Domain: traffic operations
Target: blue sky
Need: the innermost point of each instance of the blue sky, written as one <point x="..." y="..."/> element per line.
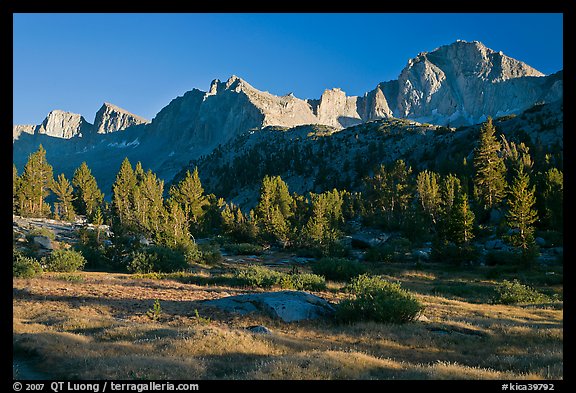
<point x="75" y="62"/>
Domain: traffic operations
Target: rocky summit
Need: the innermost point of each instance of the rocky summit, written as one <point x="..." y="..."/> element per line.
<point x="67" y="125"/>
<point x="454" y="85"/>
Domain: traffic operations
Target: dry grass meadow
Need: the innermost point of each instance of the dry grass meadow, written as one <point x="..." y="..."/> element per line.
<point x="91" y="325"/>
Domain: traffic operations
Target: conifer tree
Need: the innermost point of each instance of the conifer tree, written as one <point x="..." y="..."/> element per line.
<point x="35" y="185"/>
<point x="122" y="191"/>
<point x="460" y="223"/>
<point x="175" y="232"/>
<point x="389" y="192"/>
<point x="87" y="195"/>
<point x="274" y="209"/>
<point x="323" y="227"/>
<point x="553" y="199"/>
<point x="490" y="171"/>
<point x="449" y="189"/>
<point x="190" y="195"/>
<point x="515" y="155"/>
<point x="212" y="216"/>
<point x="151" y="191"/>
<point x="15" y="189"/>
<point x="521" y="214"/>
<point x="428" y="193"/>
<point x="98" y="221"/>
<point x="64" y="192"/>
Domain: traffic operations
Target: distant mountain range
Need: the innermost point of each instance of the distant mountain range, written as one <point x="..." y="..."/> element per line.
<point x="454" y="85"/>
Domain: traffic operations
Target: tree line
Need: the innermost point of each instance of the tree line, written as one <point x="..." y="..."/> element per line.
<point x="505" y="193"/>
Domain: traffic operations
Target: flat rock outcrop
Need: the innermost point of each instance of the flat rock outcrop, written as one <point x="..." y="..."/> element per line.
<point x="289" y="306"/>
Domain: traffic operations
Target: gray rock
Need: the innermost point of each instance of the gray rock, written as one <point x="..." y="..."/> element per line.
<point x="43" y="242"/>
<point x="259" y="329"/>
<point x="540" y="241"/>
<point x="289" y="306"/>
<point x="421" y="254"/>
<point x="495" y="244"/>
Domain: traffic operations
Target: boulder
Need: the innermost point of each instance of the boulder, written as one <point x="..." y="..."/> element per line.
<point x="495" y="244"/>
<point x="540" y="241"/>
<point x="423" y="254"/>
<point x="289" y="306"/>
<point x="259" y="329"/>
<point x="367" y="239"/>
<point x="43" y="242"/>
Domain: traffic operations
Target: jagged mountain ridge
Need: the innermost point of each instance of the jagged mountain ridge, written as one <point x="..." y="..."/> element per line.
<point x="67" y="125"/>
<point x="460" y="83"/>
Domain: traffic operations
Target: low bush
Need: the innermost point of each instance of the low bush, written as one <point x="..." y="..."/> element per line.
<point x="41" y="232"/>
<point x="258" y="276"/>
<point x="501" y="258"/>
<point x="375" y="299"/>
<point x="303" y="282"/>
<point x="454" y="254"/>
<point x="338" y="269"/>
<point x="25" y="267"/>
<point x="512" y="292"/>
<point x="244" y="249"/>
<point x="210" y="254"/>
<point x="384" y="253"/>
<point x="64" y="261"/>
<point x="157" y="259"/>
<point x="263" y="277"/>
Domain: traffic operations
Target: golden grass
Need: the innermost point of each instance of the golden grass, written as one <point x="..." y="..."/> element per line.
<point x="97" y="328"/>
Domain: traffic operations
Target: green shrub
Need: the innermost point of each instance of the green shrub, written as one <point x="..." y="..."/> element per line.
<point x="338" y="269"/>
<point x="64" y="261"/>
<point x="191" y="252"/>
<point x="375" y="299"/>
<point x="384" y="253"/>
<point x="512" y="292"/>
<point x="155" y="312"/>
<point x="303" y="282"/>
<point x="93" y="249"/>
<point x="25" y="267"/>
<point x="263" y="277"/>
<point x="157" y="259"/>
<point x="244" y="249"/>
<point x="258" y="276"/>
<point x="501" y="258"/>
<point x="453" y="254"/>
<point x="40" y="232"/>
<point x="210" y="253"/>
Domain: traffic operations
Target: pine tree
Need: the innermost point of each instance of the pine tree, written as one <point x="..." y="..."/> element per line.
<point x="175" y="232"/>
<point x="98" y="221"/>
<point x="274" y="209"/>
<point x="460" y="224"/>
<point x="553" y="199"/>
<point x="428" y="193"/>
<point x="490" y="171"/>
<point x="190" y="195"/>
<point x="515" y="155"/>
<point x="521" y="214"/>
<point x="64" y="192"/>
<point x="122" y="191"/>
<point x="87" y="195"/>
<point x="151" y="191"/>
<point x="323" y="227"/>
<point x="449" y="189"/>
<point x="389" y="192"/>
<point x="35" y="185"/>
<point x="15" y="189"/>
